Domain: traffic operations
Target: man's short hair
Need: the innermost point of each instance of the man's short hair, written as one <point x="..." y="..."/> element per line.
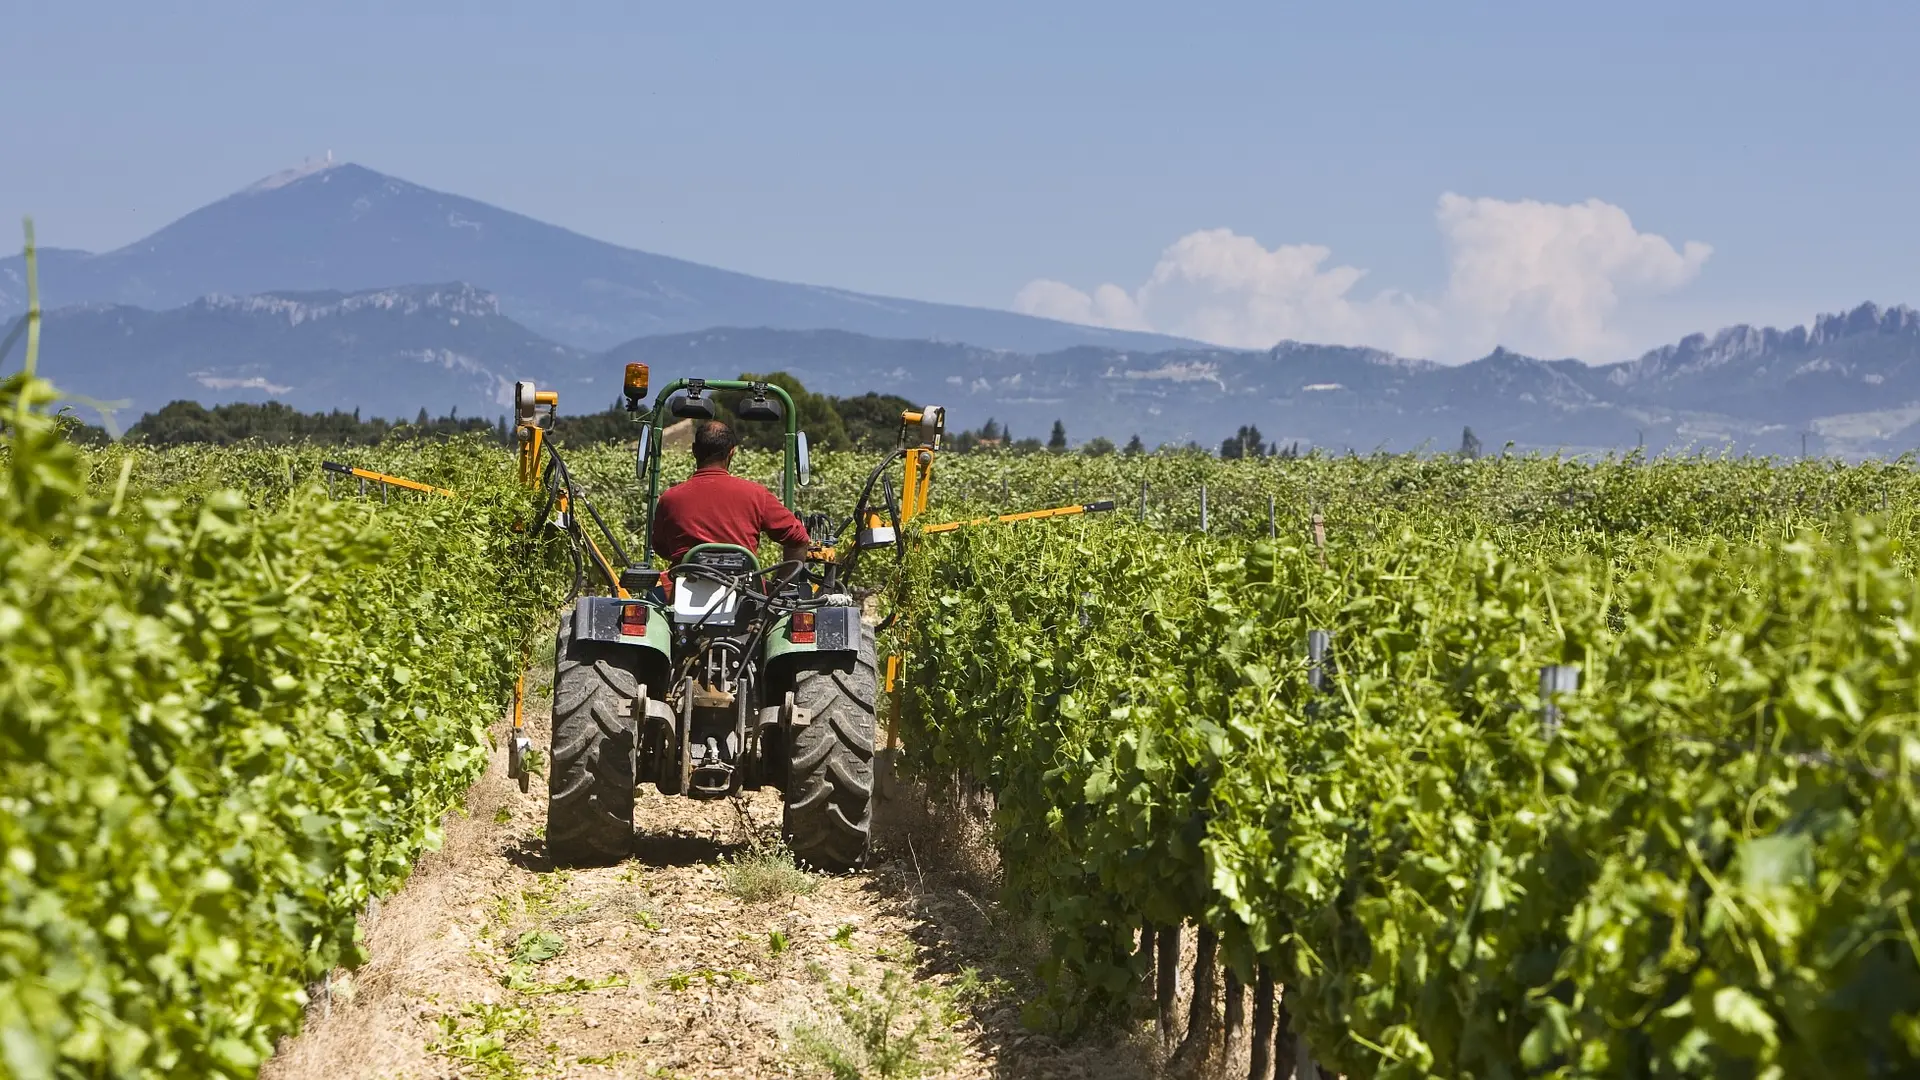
<point x="712" y="439"/>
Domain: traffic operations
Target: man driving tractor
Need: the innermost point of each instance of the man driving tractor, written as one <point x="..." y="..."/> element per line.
<point x="713" y="506"/>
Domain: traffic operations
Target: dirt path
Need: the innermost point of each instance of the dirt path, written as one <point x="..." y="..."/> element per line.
<point x="703" y="955"/>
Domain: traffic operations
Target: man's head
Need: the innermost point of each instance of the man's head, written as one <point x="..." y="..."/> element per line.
<point x="713" y="443"/>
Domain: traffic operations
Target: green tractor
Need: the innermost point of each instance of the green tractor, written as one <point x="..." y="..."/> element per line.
<point x="716" y="676"/>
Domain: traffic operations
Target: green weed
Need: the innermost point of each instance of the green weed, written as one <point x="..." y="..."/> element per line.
<point x="479" y="1036"/>
<point x="678" y="981"/>
<point x="895" y="1032"/>
<point x="538" y="947"/>
<point x="518" y="981"/>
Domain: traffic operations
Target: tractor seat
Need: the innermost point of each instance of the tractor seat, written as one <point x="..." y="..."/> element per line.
<point x="727" y="558"/>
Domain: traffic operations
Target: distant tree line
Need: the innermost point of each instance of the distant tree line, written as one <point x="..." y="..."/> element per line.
<point x="183" y="422"/>
<point x="869" y="421"/>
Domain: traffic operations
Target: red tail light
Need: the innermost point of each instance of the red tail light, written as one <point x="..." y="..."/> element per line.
<point x="633" y="620"/>
<point x="800" y="629"/>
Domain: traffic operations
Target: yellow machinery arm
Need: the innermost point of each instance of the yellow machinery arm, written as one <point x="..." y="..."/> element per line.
<point x="392" y="481"/>
<point x="1025" y="515"/>
<point x="928" y="427"/>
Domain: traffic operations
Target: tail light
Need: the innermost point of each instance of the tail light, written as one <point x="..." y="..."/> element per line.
<point x="800" y="629"/>
<point x="633" y="620"/>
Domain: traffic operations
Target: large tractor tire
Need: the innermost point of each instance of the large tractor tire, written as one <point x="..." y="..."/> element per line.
<point x="829" y="815"/>
<point x="590" y="776"/>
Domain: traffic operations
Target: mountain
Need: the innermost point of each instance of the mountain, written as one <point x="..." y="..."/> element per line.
<point x="389" y="352"/>
<point x="348" y="228"/>
<point x="1849" y="383"/>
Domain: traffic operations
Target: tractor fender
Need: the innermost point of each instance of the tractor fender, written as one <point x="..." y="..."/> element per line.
<point x="597" y="618"/>
<point x="835" y="629"/>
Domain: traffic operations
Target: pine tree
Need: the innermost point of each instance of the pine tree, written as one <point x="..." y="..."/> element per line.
<point x="1135" y="447"/>
<point x="1057" y="442"/>
<point x="1245" y="443"/>
<point x="418" y="421"/>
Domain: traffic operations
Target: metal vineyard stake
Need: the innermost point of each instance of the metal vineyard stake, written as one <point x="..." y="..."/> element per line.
<point x="1555" y="680"/>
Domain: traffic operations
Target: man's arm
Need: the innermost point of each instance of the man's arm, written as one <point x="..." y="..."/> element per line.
<point x="785" y="527"/>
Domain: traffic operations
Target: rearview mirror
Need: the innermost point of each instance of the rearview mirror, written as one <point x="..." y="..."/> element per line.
<point x="800" y="456"/>
<point x="640" y="455"/>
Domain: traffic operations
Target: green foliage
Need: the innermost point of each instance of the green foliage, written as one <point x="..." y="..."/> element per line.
<point x="816" y="415"/>
<point x="481" y="1035"/>
<point x="614" y="424"/>
<point x="873" y="420"/>
<point x="231" y="712"/>
<point x="538" y="947"/>
<point x="1704" y="873"/>
<point x="182" y="423"/>
<point x="1245" y="443"/>
<point x="868" y="422"/>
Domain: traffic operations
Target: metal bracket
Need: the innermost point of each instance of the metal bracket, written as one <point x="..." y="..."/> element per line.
<point x="1318" y="642"/>
<point x="705" y="698"/>
<point x="518" y="747"/>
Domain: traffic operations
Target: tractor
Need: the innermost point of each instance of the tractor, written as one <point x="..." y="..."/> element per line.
<point x="718" y="674"/>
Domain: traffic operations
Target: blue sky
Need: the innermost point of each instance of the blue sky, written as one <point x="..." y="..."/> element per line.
<point x="964" y="152"/>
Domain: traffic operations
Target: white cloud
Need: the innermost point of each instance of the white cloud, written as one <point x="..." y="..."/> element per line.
<point x="1547" y="278"/>
<point x="1109" y="305"/>
<point x="1541" y="278"/>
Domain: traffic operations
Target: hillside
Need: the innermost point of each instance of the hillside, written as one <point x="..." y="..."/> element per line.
<point x="1850" y="382"/>
<point x="387" y="352"/>
<point x="348" y="228"/>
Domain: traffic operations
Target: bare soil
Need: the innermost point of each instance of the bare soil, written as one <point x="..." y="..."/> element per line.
<point x="700" y="956"/>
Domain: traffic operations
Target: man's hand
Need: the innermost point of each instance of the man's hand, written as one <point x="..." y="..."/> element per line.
<point x="796" y="552"/>
<point x="795" y="560"/>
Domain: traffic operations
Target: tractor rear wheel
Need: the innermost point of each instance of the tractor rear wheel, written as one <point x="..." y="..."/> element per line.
<point x="590" y="776"/>
<point x="829" y="789"/>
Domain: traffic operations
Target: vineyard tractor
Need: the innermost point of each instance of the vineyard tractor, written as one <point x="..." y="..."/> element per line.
<point x="718" y="674"/>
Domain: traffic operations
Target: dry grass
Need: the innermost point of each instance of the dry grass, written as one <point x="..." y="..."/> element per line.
<point x="766" y="877"/>
<point x="488" y="963"/>
<point x="944" y="827"/>
<point x="361" y="1023"/>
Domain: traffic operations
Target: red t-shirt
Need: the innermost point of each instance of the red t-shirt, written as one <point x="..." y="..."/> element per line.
<point x="713" y="506"/>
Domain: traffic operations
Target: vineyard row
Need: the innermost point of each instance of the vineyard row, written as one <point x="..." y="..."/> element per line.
<point x="1695" y="864"/>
